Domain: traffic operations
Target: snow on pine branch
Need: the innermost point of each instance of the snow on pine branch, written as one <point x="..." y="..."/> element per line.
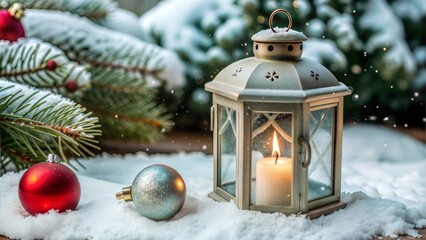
<point x="124" y="21"/>
<point x="33" y="62"/>
<point x="33" y="119"/>
<point x="124" y="60"/>
<point x="388" y="34"/>
<point x="342" y="27"/>
<point x="411" y="9"/>
<point x="324" y="50"/>
<point x="203" y="32"/>
<point x="93" y="9"/>
<point x="22" y="92"/>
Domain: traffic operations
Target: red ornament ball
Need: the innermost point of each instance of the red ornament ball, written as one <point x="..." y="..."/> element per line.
<point x="71" y="86"/>
<point x="49" y="185"/>
<point x="11" y="27"/>
<point x="51" y="65"/>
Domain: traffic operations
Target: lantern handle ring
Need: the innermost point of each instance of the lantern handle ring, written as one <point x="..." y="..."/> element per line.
<point x="271" y="18"/>
<point x="305" y="143"/>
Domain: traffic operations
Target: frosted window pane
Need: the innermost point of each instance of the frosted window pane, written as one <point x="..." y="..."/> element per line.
<point x="227" y="149"/>
<point x="320" y="171"/>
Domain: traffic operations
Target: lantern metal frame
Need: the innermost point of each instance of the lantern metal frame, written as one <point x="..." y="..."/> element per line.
<point x="300" y="130"/>
<point x="242" y="88"/>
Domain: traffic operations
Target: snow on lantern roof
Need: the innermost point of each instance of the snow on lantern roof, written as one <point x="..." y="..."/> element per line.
<point x="277" y="73"/>
<point x="281" y="35"/>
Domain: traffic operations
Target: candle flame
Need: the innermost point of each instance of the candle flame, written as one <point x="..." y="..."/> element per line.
<point x="275" y="148"/>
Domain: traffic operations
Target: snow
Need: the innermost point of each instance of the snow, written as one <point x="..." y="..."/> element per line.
<point x="385" y="192"/>
<point x="80" y="37"/>
<point x="315" y="28"/>
<point x="194" y="28"/>
<point x="420" y="80"/>
<point x="51" y="101"/>
<point x="323" y="50"/>
<point x="411" y="9"/>
<point x="68" y="71"/>
<point x="182" y="36"/>
<point x="303" y="8"/>
<point x="218" y="55"/>
<point x="325" y="11"/>
<point x="123" y="21"/>
<point x="389" y="33"/>
<point x="280" y="35"/>
<point x="420" y="53"/>
<point x="383" y="146"/>
<point x="342" y="28"/>
<point x="89" y="8"/>
<point x="226" y="34"/>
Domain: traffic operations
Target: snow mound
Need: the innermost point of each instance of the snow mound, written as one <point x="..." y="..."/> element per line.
<point x="383" y="144"/>
<point x="395" y="206"/>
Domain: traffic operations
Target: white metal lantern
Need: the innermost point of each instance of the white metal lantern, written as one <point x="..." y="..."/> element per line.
<point x="277" y="120"/>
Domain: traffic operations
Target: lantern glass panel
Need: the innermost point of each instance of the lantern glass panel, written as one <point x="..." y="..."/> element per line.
<point x="272" y="171"/>
<point x="227" y="149"/>
<point x="320" y="171"/>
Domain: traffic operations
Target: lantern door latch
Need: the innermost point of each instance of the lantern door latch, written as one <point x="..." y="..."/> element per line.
<point x="305" y="143"/>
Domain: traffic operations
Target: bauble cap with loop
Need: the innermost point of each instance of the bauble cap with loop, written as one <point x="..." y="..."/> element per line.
<point x="278" y="43"/>
<point x="17" y="11"/>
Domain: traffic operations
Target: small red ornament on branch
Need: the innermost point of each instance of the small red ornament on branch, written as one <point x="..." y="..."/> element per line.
<point x="11" y="27"/>
<point x="71" y="86"/>
<point x="51" y="65"/>
<point x="49" y="185"/>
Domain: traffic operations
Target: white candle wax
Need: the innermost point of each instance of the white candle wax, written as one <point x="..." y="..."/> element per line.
<point x="273" y="181"/>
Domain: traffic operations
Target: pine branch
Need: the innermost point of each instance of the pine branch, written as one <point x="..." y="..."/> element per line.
<point x="136" y="62"/>
<point x="122" y="68"/>
<point x="92" y="9"/>
<point x="132" y="115"/>
<point x="33" y="62"/>
<point x="36" y="122"/>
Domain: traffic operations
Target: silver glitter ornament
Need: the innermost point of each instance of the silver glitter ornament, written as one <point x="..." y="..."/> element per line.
<point x="158" y="192"/>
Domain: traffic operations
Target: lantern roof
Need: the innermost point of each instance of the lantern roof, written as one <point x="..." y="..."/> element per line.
<point x="254" y="79"/>
<point x="277" y="73"/>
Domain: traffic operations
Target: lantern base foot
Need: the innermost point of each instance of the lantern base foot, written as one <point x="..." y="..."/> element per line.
<point x="318" y="212"/>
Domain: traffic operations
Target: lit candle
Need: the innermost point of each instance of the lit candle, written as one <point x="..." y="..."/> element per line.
<point x="273" y="179"/>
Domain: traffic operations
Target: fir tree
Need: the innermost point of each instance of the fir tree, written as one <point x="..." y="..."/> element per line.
<point x="115" y="77"/>
<point x="34" y="122"/>
<point x="381" y="58"/>
<point x="124" y="73"/>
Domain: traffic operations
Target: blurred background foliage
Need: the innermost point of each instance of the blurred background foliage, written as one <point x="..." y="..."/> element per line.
<point x="377" y="47"/>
